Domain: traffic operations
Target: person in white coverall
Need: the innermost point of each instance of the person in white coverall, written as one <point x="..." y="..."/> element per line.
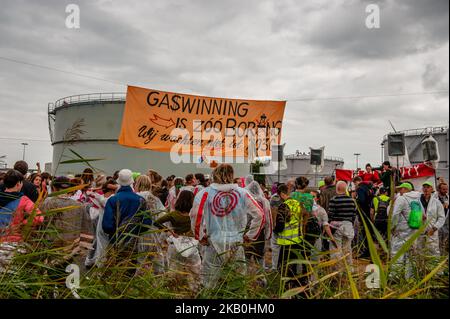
<point x="257" y="249"/>
<point x="435" y="216"/>
<point x="151" y="242"/>
<point x="400" y="229"/>
<point x="219" y="221"/>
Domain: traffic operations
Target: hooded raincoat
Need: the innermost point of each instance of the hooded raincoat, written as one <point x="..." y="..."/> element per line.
<point x="401" y="231"/>
<point x="152" y="241"/>
<point x="220" y="215"/>
<point x="435" y="216"/>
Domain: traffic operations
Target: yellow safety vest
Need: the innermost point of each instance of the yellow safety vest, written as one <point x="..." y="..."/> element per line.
<point x="290" y="235"/>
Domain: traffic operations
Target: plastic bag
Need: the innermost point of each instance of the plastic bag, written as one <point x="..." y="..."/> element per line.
<point x="186" y="246"/>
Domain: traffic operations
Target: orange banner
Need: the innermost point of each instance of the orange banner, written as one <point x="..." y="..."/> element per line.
<point x="162" y="121"/>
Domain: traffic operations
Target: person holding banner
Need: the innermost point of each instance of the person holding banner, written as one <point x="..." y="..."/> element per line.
<point x="369" y="175"/>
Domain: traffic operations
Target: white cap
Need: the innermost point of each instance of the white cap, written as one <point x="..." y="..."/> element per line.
<point x="125" y="177"/>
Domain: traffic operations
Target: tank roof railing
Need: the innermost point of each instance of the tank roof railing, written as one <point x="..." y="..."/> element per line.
<point x="421" y="131"/>
<point x="302" y="156"/>
<point x="86" y="98"/>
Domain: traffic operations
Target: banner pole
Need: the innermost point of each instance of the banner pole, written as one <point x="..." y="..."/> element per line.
<point x="315" y="176"/>
<point x="396" y="173"/>
<point x="278" y="171"/>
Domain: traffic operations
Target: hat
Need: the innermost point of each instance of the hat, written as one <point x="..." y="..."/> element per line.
<point x="405" y="185"/>
<point x="125" y="177"/>
<point x="321" y="184"/>
<point x="428" y="184"/>
<point x="61" y="182"/>
<point x="135" y="175"/>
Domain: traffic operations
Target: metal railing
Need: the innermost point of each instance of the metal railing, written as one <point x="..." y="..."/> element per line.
<point x="422" y="131"/>
<point x="86" y="98"/>
<point x="307" y="156"/>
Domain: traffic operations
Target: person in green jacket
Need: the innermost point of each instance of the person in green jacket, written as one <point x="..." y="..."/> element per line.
<point x="183" y="255"/>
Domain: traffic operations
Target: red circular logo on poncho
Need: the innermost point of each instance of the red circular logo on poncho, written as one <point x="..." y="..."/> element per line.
<point x="224" y="203"/>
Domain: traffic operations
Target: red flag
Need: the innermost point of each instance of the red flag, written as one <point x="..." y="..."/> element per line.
<point x="344" y="175"/>
<point x="417" y="171"/>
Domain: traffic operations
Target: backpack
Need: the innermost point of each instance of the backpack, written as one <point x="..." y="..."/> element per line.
<point x="382" y="211"/>
<point x="312" y="230"/>
<point x="416" y="215"/>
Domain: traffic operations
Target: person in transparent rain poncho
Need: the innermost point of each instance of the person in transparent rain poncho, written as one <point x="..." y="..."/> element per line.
<point x="219" y="222"/>
<point x="434" y="214"/>
<point x="402" y="232"/>
<point x="183" y="255"/>
<point x="98" y="200"/>
<point x="153" y="240"/>
<point x="178" y="183"/>
<point x="256" y="250"/>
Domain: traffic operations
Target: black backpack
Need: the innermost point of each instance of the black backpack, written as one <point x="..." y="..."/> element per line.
<point x="382" y="212"/>
<point x="312" y="230"/>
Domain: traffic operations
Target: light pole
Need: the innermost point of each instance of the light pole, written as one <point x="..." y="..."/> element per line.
<point x="23" y="155"/>
<point x="382" y="152"/>
<point x="357" y="157"/>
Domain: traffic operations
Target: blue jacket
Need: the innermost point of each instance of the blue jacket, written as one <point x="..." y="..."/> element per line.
<point x="127" y="207"/>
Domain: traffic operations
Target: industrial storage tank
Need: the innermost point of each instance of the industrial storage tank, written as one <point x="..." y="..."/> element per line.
<point x="413" y="144"/>
<point x="101" y="117"/>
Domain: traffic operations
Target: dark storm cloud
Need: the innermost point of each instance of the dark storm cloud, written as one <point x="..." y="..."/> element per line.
<point x="245" y="49"/>
<point x="407" y="27"/>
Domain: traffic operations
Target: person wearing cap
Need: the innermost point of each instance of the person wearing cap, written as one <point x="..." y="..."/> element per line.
<point x="135" y="175"/>
<point x="327" y="192"/>
<point x="321" y="185"/>
<point x="121" y="213"/>
<point x="400" y="230"/>
<point x="379" y="211"/>
<point x="435" y="216"/>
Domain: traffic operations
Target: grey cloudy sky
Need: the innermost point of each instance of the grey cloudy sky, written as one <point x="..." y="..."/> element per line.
<point x="258" y="49"/>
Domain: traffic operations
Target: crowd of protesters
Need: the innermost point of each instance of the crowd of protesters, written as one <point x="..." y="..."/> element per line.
<point x="196" y="225"/>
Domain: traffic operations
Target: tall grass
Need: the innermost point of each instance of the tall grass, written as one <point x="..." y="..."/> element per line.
<point x="39" y="272"/>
